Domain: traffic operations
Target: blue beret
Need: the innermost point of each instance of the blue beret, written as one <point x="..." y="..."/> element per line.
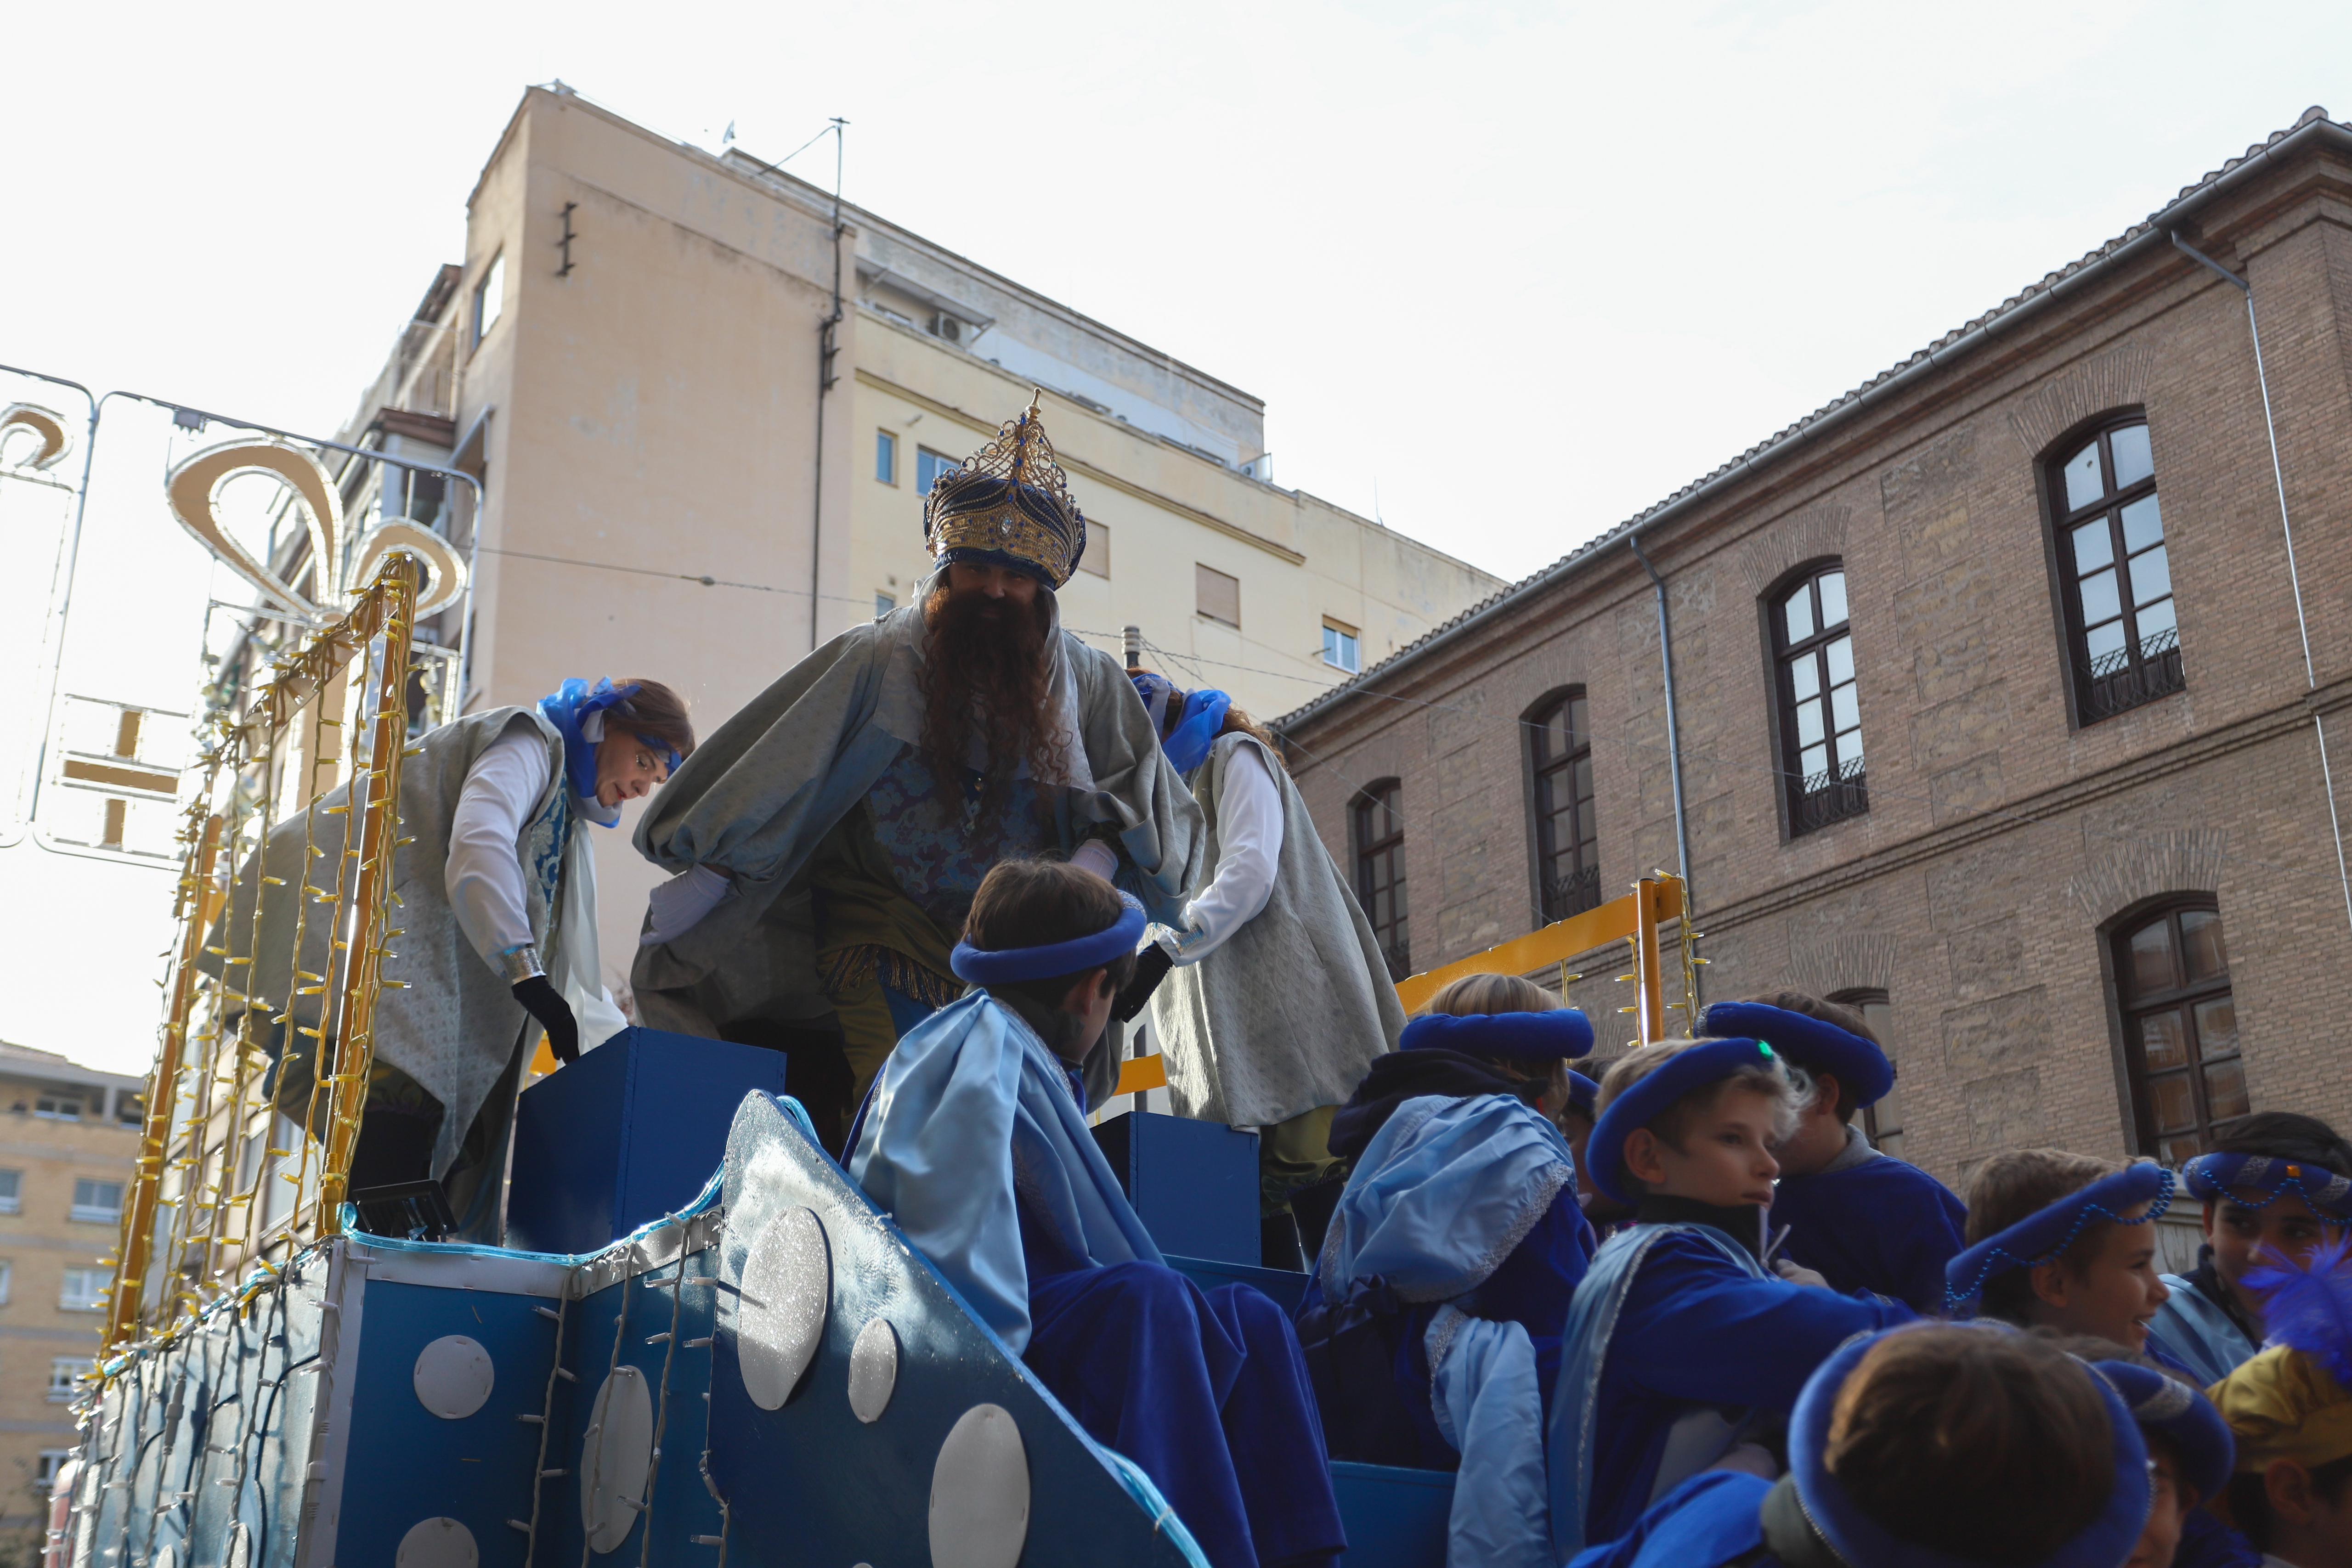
<point x="1010" y="966"/>
<point x="1582" y="1091"/>
<point x="2048" y="1232"/>
<point x="1562" y="1035"/>
<point x="1855" y="1537"/>
<point x="2210" y="1177"/>
<point x="2183" y="1414"/>
<point x="1814" y="1044"/>
<point x="1653" y="1097"/>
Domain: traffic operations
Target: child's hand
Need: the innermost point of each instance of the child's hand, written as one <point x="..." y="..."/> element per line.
<point x="1797" y="1274"/>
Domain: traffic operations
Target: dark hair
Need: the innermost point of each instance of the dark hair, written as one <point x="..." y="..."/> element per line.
<point x="2250" y="1498"/>
<point x="2287" y="1135"/>
<point x="1034" y="903"/>
<point x="2020" y="1182"/>
<point x="1988" y="1446"/>
<point x="657" y="711"/>
<point x="1845" y="1017"/>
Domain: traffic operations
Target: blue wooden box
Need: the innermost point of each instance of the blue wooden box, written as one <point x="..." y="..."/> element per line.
<point x="629" y="1133"/>
<point x="1193" y="1184"/>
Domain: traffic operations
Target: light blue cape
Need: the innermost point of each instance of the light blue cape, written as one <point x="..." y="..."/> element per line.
<point x="970" y="1103"/>
<point x="1442" y="1194"/>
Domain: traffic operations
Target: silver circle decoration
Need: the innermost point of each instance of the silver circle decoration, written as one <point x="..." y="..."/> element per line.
<point x="437" y="1543"/>
<point x="615" y="1457"/>
<point x="240" y="1547"/>
<point x="979" y="1493"/>
<point x="872" y="1370"/>
<point x="787" y="1285"/>
<point x="454" y="1377"/>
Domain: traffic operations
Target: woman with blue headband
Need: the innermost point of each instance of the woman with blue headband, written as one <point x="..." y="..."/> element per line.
<point x="497" y="888"/>
<point x="1276" y="999"/>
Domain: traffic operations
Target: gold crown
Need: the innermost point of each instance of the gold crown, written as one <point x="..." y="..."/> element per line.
<point x="1009" y="502"/>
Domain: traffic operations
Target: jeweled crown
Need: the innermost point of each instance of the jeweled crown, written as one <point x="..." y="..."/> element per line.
<point x="1008" y="504"/>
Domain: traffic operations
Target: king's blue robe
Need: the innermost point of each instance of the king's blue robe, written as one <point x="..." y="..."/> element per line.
<point x="974" y="1142"/>
<point x="1678" y="1332"/>
<point x="1868" y="1221"/>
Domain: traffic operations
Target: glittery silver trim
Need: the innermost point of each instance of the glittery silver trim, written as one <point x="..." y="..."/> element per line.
<point x="520" y="964"/>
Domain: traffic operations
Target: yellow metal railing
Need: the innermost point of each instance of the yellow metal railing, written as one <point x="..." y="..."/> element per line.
<point x="228" y="1179"/>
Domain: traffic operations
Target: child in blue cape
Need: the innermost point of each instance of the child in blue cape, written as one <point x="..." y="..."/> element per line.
<point x="2276" y="1186"/>
<point x="1683" y="1346"/>
<point x="974" y="1139"/>
<point x="2067" y="1242"/>
<point x="1433" y="1322"/>
<point x="1940" y="1446"/>
<point x="1859" y="1217"/>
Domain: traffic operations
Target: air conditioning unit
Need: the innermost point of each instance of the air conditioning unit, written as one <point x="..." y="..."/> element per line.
<point x="946" y="326"/>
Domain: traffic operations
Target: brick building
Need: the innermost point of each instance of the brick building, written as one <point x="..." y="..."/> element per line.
<point x="2088" y="879"/>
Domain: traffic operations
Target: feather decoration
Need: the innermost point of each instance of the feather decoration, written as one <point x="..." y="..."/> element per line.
<point x="2308" y="1308"/>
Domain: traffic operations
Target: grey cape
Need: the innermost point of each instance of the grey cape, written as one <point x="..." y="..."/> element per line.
<point x="1288" y="1014"/>
<point x="455" y="1024"/>
<point x="758" y="797"/>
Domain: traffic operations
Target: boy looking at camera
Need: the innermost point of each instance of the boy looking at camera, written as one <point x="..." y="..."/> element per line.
<point x="1679" y="1318"/>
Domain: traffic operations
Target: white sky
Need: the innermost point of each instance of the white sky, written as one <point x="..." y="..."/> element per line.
<point x="1524" y="268"/>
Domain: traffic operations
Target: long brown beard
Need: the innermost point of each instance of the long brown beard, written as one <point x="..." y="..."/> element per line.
<point x="984" y="666"/>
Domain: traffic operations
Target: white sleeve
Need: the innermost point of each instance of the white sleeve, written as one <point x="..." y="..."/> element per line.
<point x="1249" y="844"/>
<point x="485" y="877"/>
<point x="1098" y="857"/>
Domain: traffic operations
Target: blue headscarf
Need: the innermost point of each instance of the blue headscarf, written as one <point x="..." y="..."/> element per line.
<point x="1200" y="716"/>
<point x="568" y="708"/>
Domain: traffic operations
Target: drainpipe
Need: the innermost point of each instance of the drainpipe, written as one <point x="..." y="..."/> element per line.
<point x="2286" y="528"/>
<point x="828" y="346"/>
<point x="1674" y="735"/>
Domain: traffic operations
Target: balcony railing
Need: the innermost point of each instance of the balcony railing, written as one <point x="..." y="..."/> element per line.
<point x="2116" y="681"/>
<point x="1830" y="795"/>
<point x="1572" y="893"/>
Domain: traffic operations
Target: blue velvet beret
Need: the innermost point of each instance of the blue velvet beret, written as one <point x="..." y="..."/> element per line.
<point x="1814" y="1044"/>
<point x="2183" y="1414"/>
<point x="1582" y="1091"/>
<point x="1562" y="1035"/>
<point x="2047" y="1232"/>
<point x="2210" y="1177"/>
<point x="1010" y="966"/>
<point x="1855" y="1537"/>
<point x="1644" y="1102"/>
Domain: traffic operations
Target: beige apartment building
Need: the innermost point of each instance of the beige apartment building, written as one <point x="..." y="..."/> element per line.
<point x="68" y="1137"/>
<point x="678" y="484"/>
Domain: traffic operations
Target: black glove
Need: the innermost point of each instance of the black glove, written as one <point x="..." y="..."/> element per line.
<point x="546" y="1004"/>
<point x="1151" y="967"/>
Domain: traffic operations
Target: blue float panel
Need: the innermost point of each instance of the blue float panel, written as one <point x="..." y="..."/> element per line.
<point x="1193" y="1184"/>
<point x="625" y="1135"/>
<point x="1394" y="1518"/>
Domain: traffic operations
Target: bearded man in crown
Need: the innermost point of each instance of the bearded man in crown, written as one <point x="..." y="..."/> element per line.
<point x="828" y="840"/>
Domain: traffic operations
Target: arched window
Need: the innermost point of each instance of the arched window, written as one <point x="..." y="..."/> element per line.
<point x="1882" y="1124"/>
<point x="1377" y="825"/>
<point x="1559" y="788"/>
<point x="1821" y="707"/>
<point x="2180" y="1028"/>
<point x="2115" y="579"/>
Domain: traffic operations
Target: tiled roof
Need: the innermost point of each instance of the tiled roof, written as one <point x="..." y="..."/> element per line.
<point x="1935" y="354"/>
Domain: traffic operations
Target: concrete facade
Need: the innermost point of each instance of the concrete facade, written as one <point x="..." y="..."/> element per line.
<point x="2006" y="839"/>
<point x="643" y="405"/>
<point x="68" y="1137"/>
